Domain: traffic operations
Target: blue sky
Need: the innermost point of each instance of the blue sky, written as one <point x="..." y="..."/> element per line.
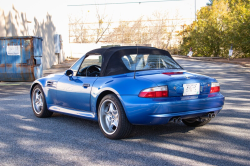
<point x="131" y="9"/>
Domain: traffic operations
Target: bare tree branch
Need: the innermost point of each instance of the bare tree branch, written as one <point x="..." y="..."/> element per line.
<point x="103" y="24"/>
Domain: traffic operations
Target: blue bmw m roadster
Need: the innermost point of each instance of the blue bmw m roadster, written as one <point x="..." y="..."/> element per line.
<point x="124" y="86"/>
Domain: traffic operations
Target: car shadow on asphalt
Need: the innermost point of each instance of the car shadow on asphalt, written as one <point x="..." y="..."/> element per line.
<point x="209" y="146"/>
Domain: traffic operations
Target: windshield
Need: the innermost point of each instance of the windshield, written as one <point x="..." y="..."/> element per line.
<point x="149" y="61"/>
<point x="92" y="60"/>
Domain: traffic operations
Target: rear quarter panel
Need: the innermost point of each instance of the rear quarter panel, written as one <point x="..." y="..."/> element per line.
<point x="121" y="85"/>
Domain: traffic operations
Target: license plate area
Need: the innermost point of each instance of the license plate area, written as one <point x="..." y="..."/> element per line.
<point x="191" y="89"/>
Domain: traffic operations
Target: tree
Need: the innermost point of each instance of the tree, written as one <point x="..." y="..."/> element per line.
<point x="103" y="24"/>
<point x="240" y="27"/>
<point x="217" y="27"/>
<point x="207" y="33"/>
<point x="77" y="29"/>
<point x="81" y="31"/>
<point x="157" y="30"/>
<point x="129" y="32"/>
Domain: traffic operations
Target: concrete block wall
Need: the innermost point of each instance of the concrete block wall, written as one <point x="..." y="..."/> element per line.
<point x="37" y="18"/>
<point x="77" y="50"/>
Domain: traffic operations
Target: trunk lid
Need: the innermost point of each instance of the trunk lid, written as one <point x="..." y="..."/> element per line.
<point x="175" y="82"/>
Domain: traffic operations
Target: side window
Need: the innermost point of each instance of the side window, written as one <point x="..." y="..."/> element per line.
<point x="91" y="66"/>
<point x="76" y="66"/>
<point x="126" y="62"/>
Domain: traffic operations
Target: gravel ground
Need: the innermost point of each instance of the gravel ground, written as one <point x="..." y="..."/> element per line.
<point x="64" y="140"/>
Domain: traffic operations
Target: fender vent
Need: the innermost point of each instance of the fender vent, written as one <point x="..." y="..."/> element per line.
<point x="51" y="83"/>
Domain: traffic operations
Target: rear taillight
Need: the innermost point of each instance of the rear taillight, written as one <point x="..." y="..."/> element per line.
<point x="215" y="87"/>
<point x="160" y="91"/>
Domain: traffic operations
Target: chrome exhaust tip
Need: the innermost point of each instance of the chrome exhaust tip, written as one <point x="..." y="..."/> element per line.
<point x="211" y="115"/>
<point x="176" y="120"/>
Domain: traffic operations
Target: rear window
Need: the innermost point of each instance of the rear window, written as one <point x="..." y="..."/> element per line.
<point x="149" y="61"/>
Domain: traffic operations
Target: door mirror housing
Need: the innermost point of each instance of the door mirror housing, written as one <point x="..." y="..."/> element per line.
<point x="69" y="73"/>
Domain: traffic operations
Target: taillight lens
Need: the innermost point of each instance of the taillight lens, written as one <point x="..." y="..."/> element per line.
<point x="160" y="91"/>
<point x="215" y="87"/>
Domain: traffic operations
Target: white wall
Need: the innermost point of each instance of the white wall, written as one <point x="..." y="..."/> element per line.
<point x="77" y="50"/>
<point x="37" y="18"/>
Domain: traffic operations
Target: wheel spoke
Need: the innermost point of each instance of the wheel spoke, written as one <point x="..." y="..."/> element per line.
<point x="115" y="123"/>
<point x="111" y="127"/>
<point x="106" y="111"/>
<point x="37" y="96"/>
<point x="107" y="121"/>
<point x="40" y="108"/>
<point x="115" y="114"/>
<point x="40" y="100"/>
<point x="39" y="104"/>
<point x="111" y="108"/>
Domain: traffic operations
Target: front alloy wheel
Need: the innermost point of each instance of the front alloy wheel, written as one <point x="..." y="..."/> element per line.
<point x="112" y="118"/>
<point x="38" y="103"/>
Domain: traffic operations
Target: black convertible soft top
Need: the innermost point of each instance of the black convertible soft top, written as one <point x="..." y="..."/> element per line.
<point x="112" y="63"/>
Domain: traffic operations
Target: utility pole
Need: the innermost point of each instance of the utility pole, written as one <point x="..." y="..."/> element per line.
<point x="195" y="9"/>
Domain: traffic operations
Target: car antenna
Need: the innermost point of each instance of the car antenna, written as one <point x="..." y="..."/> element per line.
<point x="136" y="60"/>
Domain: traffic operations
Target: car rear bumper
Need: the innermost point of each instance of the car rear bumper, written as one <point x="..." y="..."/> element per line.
<point x="148" y="111"/>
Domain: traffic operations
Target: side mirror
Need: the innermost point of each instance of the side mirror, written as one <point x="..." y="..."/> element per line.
<point x="69" y="73"/>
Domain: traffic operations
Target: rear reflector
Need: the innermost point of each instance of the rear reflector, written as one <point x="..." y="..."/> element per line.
<point x="160" y="91"/>
<point x="172" y="73"/>
<point x="215" y="87"/>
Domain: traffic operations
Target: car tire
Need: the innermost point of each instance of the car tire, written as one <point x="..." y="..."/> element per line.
<point x="38" y="103"/>
<point x="112" y="119"/>
<point x="195" y="123"/>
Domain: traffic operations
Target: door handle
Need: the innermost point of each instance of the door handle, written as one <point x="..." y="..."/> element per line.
<point x="86" y="85"/>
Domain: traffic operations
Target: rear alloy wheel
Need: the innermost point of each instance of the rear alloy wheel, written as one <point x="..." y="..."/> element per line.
<point x="39" y="105"/>
<point x="195" y="123"/>
<point x="112" y="118"/>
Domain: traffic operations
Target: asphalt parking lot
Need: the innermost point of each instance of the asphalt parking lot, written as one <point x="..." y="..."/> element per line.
<point x="64" y="140"/>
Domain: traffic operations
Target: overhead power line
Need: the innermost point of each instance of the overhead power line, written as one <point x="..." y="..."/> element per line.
<point x="121" y="3"/>
<point x="182" y="19"/>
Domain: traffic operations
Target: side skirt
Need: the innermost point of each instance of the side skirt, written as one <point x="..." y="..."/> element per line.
<point x="72" y="112"/>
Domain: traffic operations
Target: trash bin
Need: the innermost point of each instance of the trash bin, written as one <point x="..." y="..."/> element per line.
<point x="20" y="58"/>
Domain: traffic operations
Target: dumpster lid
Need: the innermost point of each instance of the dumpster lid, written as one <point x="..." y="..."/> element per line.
<point x="20" y="37"/>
